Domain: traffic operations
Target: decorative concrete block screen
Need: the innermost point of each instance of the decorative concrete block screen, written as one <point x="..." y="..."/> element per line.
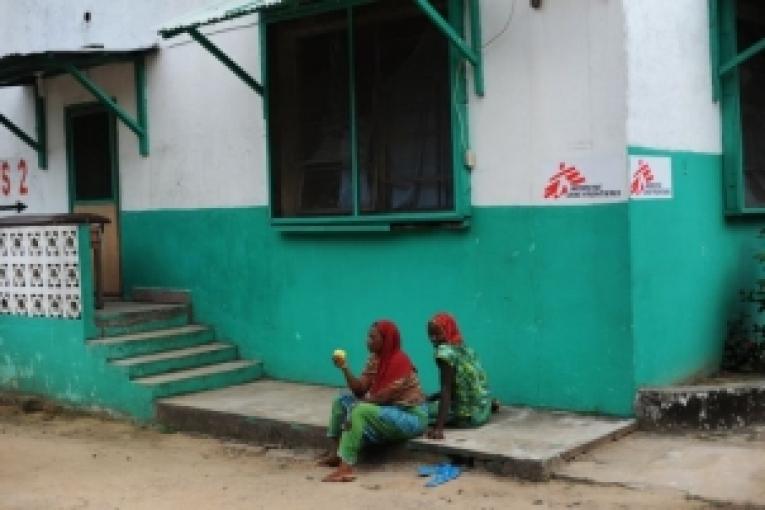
<point x="40" y="272"/>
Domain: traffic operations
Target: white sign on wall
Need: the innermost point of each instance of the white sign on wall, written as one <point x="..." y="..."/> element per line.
<point x="583" y="181"/>
<point x="650" y="177"/>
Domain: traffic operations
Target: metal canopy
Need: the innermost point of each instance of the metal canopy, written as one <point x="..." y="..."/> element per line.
<point x="221" y="11"/>
<point x="215" y="13"/>
<point x="23" y="68"/>
<point x="27" y="69"/>
<point x="228" y="10"/>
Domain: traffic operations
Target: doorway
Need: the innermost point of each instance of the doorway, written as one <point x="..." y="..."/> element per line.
<point x="91" y="141"/>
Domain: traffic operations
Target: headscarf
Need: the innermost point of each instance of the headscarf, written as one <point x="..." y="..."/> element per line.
<point x="449" y="326"/>
<point x="394" y="363"/>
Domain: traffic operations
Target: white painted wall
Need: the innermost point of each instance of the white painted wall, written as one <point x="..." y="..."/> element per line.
<point x="207" y="131"/>
<point x="206" y="126"/>
<point x="40" y="25"/>
<point x="669" y="85"/>
<point x="44" y="188"/>
<point x="556" y="84"/>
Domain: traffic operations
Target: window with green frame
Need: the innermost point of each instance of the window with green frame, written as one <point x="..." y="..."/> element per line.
<point x="738" y="62"/>
<point x="366" y="114"/>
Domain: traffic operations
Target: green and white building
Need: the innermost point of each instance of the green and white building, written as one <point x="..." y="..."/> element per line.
<point x="580" y="182"/>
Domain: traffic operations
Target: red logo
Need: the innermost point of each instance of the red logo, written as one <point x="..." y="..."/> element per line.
<point x="641" y="178"/>
<point x="560" y="184"/>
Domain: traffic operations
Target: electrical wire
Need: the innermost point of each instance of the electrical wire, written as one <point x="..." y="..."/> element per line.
<point x="499" y="34"/>
<point x="209" y="33"/>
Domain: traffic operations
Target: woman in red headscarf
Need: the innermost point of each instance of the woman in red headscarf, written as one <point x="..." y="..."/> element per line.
<point x="463" y="400"/>
<point x="387" y="404"/>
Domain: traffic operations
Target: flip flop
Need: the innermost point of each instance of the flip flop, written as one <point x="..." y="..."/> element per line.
<point x="332" y="462"/>
<point x="428" y="469"/>
<point x="445" y="473"/>
<point x="340" y="478"/>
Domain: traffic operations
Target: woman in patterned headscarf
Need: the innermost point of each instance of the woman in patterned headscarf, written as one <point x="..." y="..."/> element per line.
<point x="387" y="404"/>
<point x="463" y="400"/>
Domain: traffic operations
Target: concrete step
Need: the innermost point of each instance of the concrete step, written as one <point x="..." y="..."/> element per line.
<point x="125" y="317"/>
<point x="528" y="443"/>
<point x="719" y="403"/>
<point x="149" y="342"/>
<point x="219" y="375"/>
<point x="161" y="295"/>
<point x="178" y="359"/>
<point x="517" y="441"/>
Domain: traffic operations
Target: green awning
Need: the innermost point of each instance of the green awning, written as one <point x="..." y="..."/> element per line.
<point x="220" y="11"/>
<point x="23" y="68"/>
<point x="26" y="69"/>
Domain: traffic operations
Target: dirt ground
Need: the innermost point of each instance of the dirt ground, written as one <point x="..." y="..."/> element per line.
<point x="51" y="460"/>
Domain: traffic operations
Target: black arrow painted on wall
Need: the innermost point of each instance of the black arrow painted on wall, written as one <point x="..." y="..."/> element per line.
<point x="18" y="207"/>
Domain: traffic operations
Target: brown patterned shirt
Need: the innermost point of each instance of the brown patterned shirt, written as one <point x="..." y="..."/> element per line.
<point x="404" y="392"/>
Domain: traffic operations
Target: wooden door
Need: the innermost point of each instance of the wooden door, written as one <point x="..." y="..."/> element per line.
<point x="93" y="181"/>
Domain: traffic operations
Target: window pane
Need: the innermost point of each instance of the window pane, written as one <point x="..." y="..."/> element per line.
<point x="403" y="114"/>
<point x="91" y="154"/>
<point x="309" y="116"/>
<point x="751" y="29"/>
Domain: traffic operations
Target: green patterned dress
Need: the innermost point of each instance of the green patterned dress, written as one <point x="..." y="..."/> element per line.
<point x="471" y="402"/>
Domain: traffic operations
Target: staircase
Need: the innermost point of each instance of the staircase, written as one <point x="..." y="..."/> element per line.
<point x="156" y="347"/>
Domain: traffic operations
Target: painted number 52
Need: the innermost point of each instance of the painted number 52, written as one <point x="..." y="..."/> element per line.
<point x="5" y="177"/>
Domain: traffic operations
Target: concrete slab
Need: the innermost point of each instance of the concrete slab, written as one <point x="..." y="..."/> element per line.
<point x="517" y="441"/>
<point x="720" y="403"/>
<point x="720" y="467"/>
<point x="527" y="442"/>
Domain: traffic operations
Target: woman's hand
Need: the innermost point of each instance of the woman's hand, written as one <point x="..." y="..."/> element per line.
<point x="358" y="386"/>
<point x="435" y="433"/>
<point x="339" y="361"/>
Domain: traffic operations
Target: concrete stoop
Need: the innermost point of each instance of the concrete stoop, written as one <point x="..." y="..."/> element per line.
<point x="715" y="404"/>
<point x="158" y="352"/>
<point x="521" y="442"/>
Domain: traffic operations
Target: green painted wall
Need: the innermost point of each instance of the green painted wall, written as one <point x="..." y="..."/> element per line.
<point x="688" y="263"/>
<point x="568" y="307"/>
<point x="49" y="357"/>
<point x="539" y="292"/>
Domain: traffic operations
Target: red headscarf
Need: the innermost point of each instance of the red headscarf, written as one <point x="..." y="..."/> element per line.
<point x="394" y="363"/>
<point x="449" y="326"/>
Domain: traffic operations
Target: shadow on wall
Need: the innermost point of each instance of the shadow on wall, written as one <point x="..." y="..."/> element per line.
<point x="744" y="314"/>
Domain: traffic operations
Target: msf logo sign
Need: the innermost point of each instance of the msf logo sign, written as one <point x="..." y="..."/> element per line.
<point x="641" y="179"/>
<point x="561" y="183"/>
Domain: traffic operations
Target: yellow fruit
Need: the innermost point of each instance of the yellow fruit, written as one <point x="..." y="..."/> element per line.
<point x="339" y="353"/>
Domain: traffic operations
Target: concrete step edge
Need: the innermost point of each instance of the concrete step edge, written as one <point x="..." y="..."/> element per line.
<point x="107" y="317"/>
<point x="754" y="384"/>
<point x="205" y="371"/>
<point x="265" y="430"/>
<point x="708" y="407"/>
<point x="173" y="354"/>
<point x="161" y="295"/>
<point x="154" y="334"/>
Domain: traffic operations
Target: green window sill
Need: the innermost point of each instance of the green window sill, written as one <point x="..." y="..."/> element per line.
<point x="746" y="211"/>
<point x="378" y="223"/>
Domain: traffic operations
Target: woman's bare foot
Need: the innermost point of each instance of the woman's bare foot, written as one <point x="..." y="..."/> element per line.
<point x="329" y="460"/>
<point x="344" y="473"/>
